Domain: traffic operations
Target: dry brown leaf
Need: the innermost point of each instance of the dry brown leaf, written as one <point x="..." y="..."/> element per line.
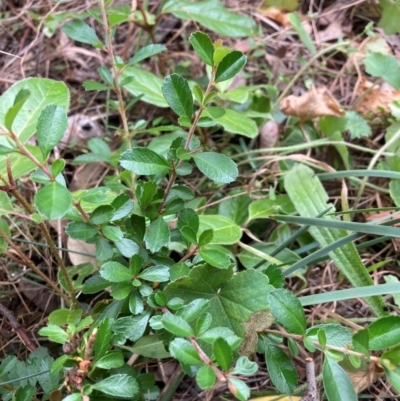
<point x="81" y="247"/>
<point x="332" y="32"/>
<point x="317" y="102"/>
<point x="363" y="379"/>
<point x="269" y="134"/>
<point x="278" y="16"/>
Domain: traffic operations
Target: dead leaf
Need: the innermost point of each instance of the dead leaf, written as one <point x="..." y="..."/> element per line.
<point x="278" y="16"/>
<point x="269" y="134"/>
<point x="81" y="247"/>
<point x="364" y="378"/>
<point x="317" y="102"/>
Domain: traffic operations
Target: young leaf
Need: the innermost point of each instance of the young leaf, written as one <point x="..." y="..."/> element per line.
<point x="157" y="273"/>
<point x="121" y="385"/>
<point x="384" y="333"/>
<point x="55" y="333"/>
<point x="115" y="272"/>
<point x="206" y="237"/>
<point x="177" y="326"/>
<point x="245" y="367"/>
<point x="53" y="201"/>
<point x="203" y="46"/>
<point x="184" y="351"/>
<point x="337" y="385"/>
<point x="216" y="166"/>
<point x="146" y="52"/>
<point x="194" y="309"/>
<point x="393" y="377"/>
<point x="82" y="32"/>
<point x="239" y="389"/>
<point x="223" y="354"/>
<point x="215" y="258"/>
<point x="143" y="161"/>
<point x="178" y="95"/>
<point x="113" y="359"/>
<point x="230" y="65"/>
<point x="50" y="128"/>
<point x="158" y="235"/>
<point x="112" y="232"/>
<point x="336" y="334"/>
<point x="188" y="217"/>
<point x="205" y="377"/>
<point x="287" y="310"/>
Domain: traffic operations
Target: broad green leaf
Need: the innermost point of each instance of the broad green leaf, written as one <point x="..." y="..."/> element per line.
<point x="122" y="205"/>
<point x="51" y="126"/>
<point x="384" y="66"/>
<point x="337" y="385"/>
<point x="12" y="112"/>
<point x="216" y="166"/>
<point x="25" y="393"/>
<point x="309" y="198"/>
<point x="203" y="323"/>
<point x="245" y="367"/>
<point x="239" y="389"/>
<point x="335" y="334"/>
<point x="384" y="333"/>
<point x="55" y="333"/>
<point x="194" y="309"/>
<point x="287" y="310"/>
<point x="184" y="352"/>
<point x="157" y="235"/>
<point x="101" y="214"/>
<point x="212" y="15"/>
<point x="146" y="52"/>
<point x="211" y="335"/>
<point x="215" y="258"/>
<point x="150" y="347"/>
<point x="121" y="290"/>
<point x="82" y="32"/>
<point x="205" y="377"/>
<point x="280" y="368"/>
<point x="393" y="377"/>
<point x="112" y="232"/>
<point x="233" y="299"/>
<point x="203" y="46"/>
<point x="127" y="247"/>
<point x="178" y="95"/>
<point x="237" y="123"/>
<point x="235" y="209"/>
<point x="295" y="20"/>
<point x="188" y="217"/>
<point x="225" y="231"/>
<point x="158" y="273"/>
<point x="64" y="316"/>
<point x="188" y="233"/>
<point x="145" y="85"/>
<point x="223" y="354"/>
<point x="230" y="65"/>
<point x="357" y="125"/>
<point x="115" y="272"/>
<point x="113" y="359"/>
<point x="262" y="209"/>
<point x="390" y="17"/>
<point x="130" y="327"/>
<point x="53" y="201"/>
<point x="121" y="385"/>
<point x="143" y="161"/>
<point x="177" y="325"/>
<point x="95" y="284"/>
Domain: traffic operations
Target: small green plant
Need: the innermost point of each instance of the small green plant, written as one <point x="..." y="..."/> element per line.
<point x="202" y="308"/>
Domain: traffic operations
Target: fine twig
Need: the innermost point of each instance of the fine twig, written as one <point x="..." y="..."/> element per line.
<point x="311" y="392"/>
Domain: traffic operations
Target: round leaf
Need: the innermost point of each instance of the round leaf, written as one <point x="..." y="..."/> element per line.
<point x="53" y="201"/>
<point x="216" y="166"/>
<point x="178" y="95"/>
<point x="230" y="65"/>
<point x="205" y="377"/>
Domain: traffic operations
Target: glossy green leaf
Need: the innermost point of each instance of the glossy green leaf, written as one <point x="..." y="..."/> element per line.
<point x="194" y="309"/>
<point x="188" y="217"/>
<point x="337" y="384"/>
<point x="216" y="166"/>
<point x="384" y="333"/>
<point x="95" y="284"/>
<point x="25" y="393"/>
<point x="206" y="237"/>
<point x="384" y="66"/>
<point x="205" y="377"/>
<point x="393" y="377"/>
<point x="130" y="327"/>
<point x="113" y="233"/>
<point x="184" y="352"/>
<point x="230" y="65"/>
<point x="223" y="354"/>
<point x="20" y="99"/>
<point x="82" y="32"/>
<point x="104" y="249"/>
<point x="215" y="258"/>
<point x="178" y="95"/>
<point x="53" y="201"/>
<point x="51" y="126"/>
<point x="143" y="161"/>
<point x="122" y="205"/>
<point x="177" y="325"/>
<point x="101" y="214"/>
<point x="113" y="359"/>
<point x="225" y="231"/>
<point x="238" y="123"/>
<point x="54" y="333"/>
<point x="146" y="52"/>
<point x="203" y="323"/>
<point x="336" y="335"/>
<point x="127" y="247"/>
<point x="115" y="272"/>
<point x="64" y="316"/>
<point x="245" y="367"/>
<point x="287" y="310"/>
<point x="120" y="385"/>
<point x="151" y="347"/>
<point x="203" y="46"/>
<point x="239" y="389"/>
<point x="157" y="235"/>
<point x="212" y="15"/>
<point x="156" y="273"/>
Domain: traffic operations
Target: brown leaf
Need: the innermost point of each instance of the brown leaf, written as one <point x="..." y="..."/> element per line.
<point x="269" y="134"/>
<point x="80" y="246"/>
<point x="364" y="378"/>
<point x="315" y="103"/>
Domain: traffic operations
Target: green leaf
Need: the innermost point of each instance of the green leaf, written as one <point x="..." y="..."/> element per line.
<point x="157" y="235"/>
<point x="239" y="389"/>
<point x="203" y="46"/>
<point x="295" y="20"/>
<point x="206" y="237"/>
<point x="177" y="325"/>
<point x="336" y="335"/>
<point x="188" y="233"/>
<point x="287" y="310"/>
<point x="215" y="258"/>
<point x="225" y="231"/>
<point x="146" y="52"/>
<point x="55" y="333"/>
<point x="150" y="347"/>
<point x="115" y="272"/>
<point x="127" y="247"/>
<point x="143" y="161"/>
<point x="212" y="15"/>
<point x="184" y="351"/>
<point x="203" y="324"/>
<point x="337" y="384"/>
<point x="230" y="65"/>
<point x="53" y="201"/>
<point x="112" y="232"/>
<point x="101" y="214"/>
<point x="91" y="85"/>
<point x="121" y="385"/>
<point x="113" y="359"/>
<point x="393" y="377"/>
<point x="122" y="205"/>
<point x="82" y="32"/>
<point x="130" y="327"/>
<point x="20" y="99"/>
<point x="235" y="209"/>
<point x="390" y="17"/>
<point x="145" y="85"/>
<point x="178" y="95"/>
<point x="25" y="393"/>
<point x="205" y="377"/>
<point x="4" y="225"/>
<point x="233" y="299"/>
<point x="237" y="123"/>
<point x="73" y="397"/>
<point x="216" y="166"/>
<point x="188" y="217"/>
<point x="95" y="284"/>
<point x="51" y="126"/>
<point x="156" y="273"/>
<point x="357" y="125"/>
<point x="194" y="309"/>
<point x="309" y="198"/>
<point x="384" y="66"/>
<point x="280" y="368"/>
<point x="245" y="367"/>
<point x="384" y="333"/>
<point x="64" y="316"/>
<point x="223" y="354"/>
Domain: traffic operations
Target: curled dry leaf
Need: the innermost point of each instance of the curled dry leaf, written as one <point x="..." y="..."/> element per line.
<point x="317" y="102"/>
<point x="278" y="16"/>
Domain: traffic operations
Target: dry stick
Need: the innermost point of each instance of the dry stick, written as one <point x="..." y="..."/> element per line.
<point x="33" y="267"/>
<point x="311" y="392"/>
<point x="18" y="328"/>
